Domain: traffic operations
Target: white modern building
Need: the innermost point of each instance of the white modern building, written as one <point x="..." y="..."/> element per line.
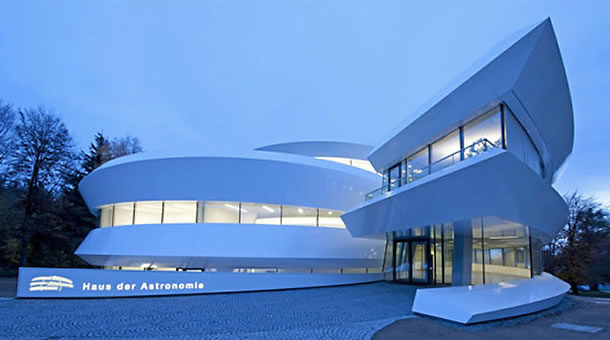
<point x="460" y="198"/>
<point x="276" y="209"/>
<point x="467" y="197"/>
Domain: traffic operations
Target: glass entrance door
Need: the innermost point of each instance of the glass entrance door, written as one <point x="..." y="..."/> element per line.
<point x="411" y="261"/>
<point x="419" y="261"/>
<point x="402" y="265"/>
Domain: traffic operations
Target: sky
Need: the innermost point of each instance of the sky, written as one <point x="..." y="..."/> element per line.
<point x="222" y="76"/>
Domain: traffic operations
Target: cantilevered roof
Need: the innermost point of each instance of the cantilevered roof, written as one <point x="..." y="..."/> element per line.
<point x="528" y="76"/>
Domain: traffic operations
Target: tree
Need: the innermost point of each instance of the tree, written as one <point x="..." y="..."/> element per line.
<point x="41" y="158"/>
<point x="76" y="219"/>
<point x="573" y="253"/>
<point x="125" y="146"/>
<point x="99" y="153"/>
<point x="7" y="121"/>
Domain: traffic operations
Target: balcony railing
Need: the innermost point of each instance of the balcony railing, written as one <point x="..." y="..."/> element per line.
<point x="412" y="175"/>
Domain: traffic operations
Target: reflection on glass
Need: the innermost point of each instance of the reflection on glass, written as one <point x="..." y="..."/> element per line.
<point x="106" y="216"/>
<point x="388" y="259"/>
<point x="487" y="127"/>
<point x="445" y="152"/>
<point x="299" y="216"/>
<point x="417" y="165"/>
<point x="477" y="277"/>
<point x="419" y="261"/>
<point x="448" y="244"/>
<point x="520" y="144"/>
<point x="438" y="254"/>
<point x="123" y="214"/>
<point x="330" y="218"/>
<point x="394" y="177"/>
<point x="148" y="212"/>
<point x="402" y="261"/>
<point x="507" y="245"/>
<point x="221" y="212"/>
<point x="180" y="212"/>
<point x="260" y="213"/>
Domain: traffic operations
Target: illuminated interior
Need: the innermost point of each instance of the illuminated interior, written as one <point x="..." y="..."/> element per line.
<point x="164" y="212"/>
<point x="358" y="163"/>
<point x="501" y="251"/>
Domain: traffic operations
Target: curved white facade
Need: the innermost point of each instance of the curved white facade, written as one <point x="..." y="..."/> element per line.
<point x="303" y="197"/>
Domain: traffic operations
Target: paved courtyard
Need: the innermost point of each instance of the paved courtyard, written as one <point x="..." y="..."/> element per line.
<point x="379" y="310"/>
<point x="349" y="312"/>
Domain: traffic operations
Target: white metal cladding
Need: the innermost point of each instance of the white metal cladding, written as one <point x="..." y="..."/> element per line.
<point x="494" y="183"/>
<point x="229" y="245"/>
<point x="257" y="177"/>
<point x="529" y="77"/>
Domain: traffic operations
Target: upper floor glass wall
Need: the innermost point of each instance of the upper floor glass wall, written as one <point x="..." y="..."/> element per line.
<point x="417" y="165"/>
<point x="520" y="144"/>
<point x="165" y="212"/>
<point x="487" y="131"/>
<point x="487" y="127"/>
<point x="445" y="151"/>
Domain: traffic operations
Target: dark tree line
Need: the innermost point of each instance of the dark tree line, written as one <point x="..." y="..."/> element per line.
<point x="580" y="253"/>
<point x="43" y="218"/>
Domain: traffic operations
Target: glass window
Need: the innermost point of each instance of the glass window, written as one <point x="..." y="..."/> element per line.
<point x="487" y="127"/>
<point x="331" y="218"/>
<point x="148" y="212"/>
<point x="438" y="254"/>
<point x="106" y="216"/>
<point x="508" y="245"/>
<point x="448" y="243"/>
<point x="520" y="144"/>
<point x="260" y="213"/>
<point x="299" y="216"/>
<point x="179" y="212"/>
<point x="220" y="212"/>
<point x="395" y="177"/>
<point x="123" y="214"/>
<point x="476" y="277"/>
<point x="417" y="165"/>
<point x="385" y="179"/>
<point x="445" y="152"/>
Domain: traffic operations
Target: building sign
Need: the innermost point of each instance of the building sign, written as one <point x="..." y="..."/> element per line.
<point x="55" y="283"/>
<point x="96" y="283"/>
<point x="61" y="282"/>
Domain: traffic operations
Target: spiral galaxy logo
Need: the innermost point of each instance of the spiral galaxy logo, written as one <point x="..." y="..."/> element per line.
<point x="55" y="283"/>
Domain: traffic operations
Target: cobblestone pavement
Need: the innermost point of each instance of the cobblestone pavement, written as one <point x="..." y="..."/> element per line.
<point x="348" y="312"/>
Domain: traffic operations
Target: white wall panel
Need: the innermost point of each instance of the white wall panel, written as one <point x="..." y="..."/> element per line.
<point x="229" y="245"/>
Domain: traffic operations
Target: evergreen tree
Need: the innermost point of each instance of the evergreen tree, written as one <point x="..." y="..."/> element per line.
<point x="99" y="153"/>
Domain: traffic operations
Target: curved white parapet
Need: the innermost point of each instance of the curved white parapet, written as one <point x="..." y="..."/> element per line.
<point x="212" y="245"/>
<point x="255" y="177"/>
<point x="472" y="304"/>
<point x="494" y="183"/>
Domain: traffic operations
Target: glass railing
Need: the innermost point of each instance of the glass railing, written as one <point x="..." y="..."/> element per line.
<point x="413" y="174"/>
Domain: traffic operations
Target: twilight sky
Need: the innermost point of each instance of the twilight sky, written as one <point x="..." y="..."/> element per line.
<point x="231" y="75"/>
